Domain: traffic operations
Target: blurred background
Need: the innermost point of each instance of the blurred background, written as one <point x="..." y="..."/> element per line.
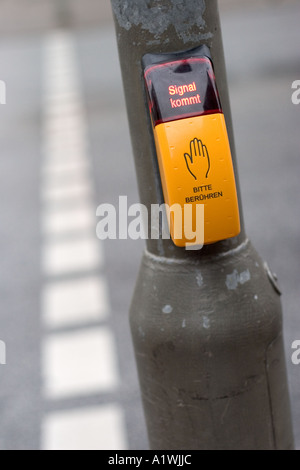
<point x="70" y="380"/>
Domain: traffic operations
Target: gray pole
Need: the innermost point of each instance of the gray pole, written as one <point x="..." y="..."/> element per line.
<point x="63" y="13"/>
<point x="206" y="325"/>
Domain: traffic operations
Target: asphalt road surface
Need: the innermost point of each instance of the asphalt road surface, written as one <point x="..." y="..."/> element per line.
<point x="70" y="379"/>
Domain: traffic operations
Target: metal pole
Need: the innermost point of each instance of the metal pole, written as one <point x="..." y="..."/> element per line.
<point x="206" y="325"/>
<point x="63" y="13"/>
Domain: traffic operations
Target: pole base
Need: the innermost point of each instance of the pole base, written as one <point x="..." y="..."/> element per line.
<point x="209" y="349"/>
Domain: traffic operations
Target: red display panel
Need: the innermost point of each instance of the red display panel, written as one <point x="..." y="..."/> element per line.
<point x="182" y="88"/>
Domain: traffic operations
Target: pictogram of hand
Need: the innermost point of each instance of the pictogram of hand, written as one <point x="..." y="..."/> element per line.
<point x="198" y="161"/>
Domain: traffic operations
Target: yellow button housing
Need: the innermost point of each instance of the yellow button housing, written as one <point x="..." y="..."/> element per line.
<point x="196" y="168"/>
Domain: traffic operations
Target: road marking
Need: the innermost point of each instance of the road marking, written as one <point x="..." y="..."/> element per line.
<point x="71" y="147"/>
<point x="58" y="194"/>
<point x="69" y="181"/>
<point x="100" y="428"/>
<point x="63" y="154"/>
<point x="71" y="302"/>
<point x="62" y="221"/>
<point x="62" y="257"/>
<point x="65" y="169"/>
<point x="80" y="363"/>
<point x="63" y="120"/>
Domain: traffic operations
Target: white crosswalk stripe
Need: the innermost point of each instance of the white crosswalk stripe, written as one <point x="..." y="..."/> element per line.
<point x="76" y="301"/>
<point x="80" y="363"/>
<point x="85" y="429"/>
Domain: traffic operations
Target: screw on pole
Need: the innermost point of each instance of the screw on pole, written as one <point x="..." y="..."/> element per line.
<point x="206" y="325"/>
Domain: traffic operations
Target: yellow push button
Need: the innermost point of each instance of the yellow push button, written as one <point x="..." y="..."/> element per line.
<point x="192" y="147"/>
<point x="196" y="168"/>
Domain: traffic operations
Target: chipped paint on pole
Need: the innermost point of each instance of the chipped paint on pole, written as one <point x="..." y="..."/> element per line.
<point x="189" y="23"/>
<point x="207" y="325"/>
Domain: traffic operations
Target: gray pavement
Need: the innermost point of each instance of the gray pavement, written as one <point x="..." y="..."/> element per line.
<point x="262" y="52"/>
<point x="38" y="16"/>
